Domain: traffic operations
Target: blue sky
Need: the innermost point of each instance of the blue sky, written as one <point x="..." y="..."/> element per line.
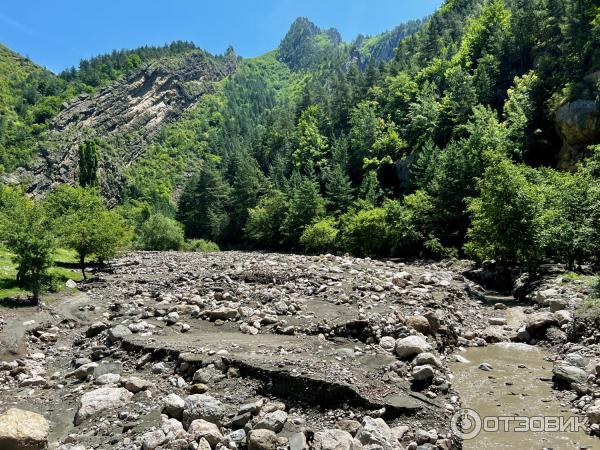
<point x="58" y="33"/>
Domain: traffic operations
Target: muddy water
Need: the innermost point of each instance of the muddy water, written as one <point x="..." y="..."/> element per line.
<point x="509" y="390"/>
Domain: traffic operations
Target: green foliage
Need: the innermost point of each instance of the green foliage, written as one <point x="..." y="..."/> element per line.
<point x="263" y="228"/>
<point x="305" y="205"/>
<point x="203" y="204"/>
<point x="506" y="218"/>
<point x="88" y="164"/>
<point x="320" y="237"/>
<point x="364" y="232"/>
<point x="103" y="69"/>
<point x="84" y="224"/>
<point x="161" y="233"/>
<point x="201" y="245"/>
<point x="25" y="230"/>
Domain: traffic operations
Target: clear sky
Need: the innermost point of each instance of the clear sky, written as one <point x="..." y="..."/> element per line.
<point x="58" y="33"/>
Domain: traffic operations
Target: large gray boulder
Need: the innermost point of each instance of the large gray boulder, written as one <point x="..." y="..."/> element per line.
<point x="375" y="434"/>
<point x="273" y="421"/>
<point x="540" y="321"/>
<point x="332" y="439"/>
<point x="117" y="333"/>
<point x="99" y="400"/>
<point x="202" y="406"/>
<point x="23" y="430"/>
<point x="569" y="374"/>
<point x="411" y="345"/>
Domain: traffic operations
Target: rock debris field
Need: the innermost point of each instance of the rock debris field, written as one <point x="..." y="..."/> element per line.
<point x="248" y="350"/>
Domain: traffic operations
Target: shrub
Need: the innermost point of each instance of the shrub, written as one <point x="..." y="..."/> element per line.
<point x="365" y="233"/>
<point x="161" y="233"/>
<point x="201" y="245"/>
<point x="320" y="237"/>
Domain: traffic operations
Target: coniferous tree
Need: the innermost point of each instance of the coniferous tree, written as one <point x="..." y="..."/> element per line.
<point x="88" y="163"/>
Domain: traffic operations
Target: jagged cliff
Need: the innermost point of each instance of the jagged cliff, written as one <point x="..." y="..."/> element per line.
<point x="125" y="116"/>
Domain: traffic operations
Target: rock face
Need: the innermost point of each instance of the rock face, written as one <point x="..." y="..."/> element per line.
<point x="578" y="124"/>
<point x="23" y="430"/>
<point x="99" y="400"/>
<point x="132" y="110"/>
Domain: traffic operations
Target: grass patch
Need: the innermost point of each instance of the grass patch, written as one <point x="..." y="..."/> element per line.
<point x="590" y="307"/>
<point x="8" y="273"/>
<point x="588" y="280"/>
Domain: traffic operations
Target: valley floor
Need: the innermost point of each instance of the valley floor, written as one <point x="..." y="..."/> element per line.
<point x="258" y="350"/>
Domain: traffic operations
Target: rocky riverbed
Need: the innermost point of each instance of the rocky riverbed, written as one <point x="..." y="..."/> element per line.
<point x="264" y="351"/>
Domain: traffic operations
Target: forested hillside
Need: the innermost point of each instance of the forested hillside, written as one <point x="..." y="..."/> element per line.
<point x="476" y="136"/>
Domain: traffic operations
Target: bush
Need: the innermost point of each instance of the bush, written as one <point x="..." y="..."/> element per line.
<point x="201" y="245"/>
<point x="320" y="237"/>
<point x="161" y="233"/>
<point x="264" y="221"/>
<point x="365" y="233"/>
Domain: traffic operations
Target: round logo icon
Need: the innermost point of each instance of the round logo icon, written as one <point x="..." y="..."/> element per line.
<point x="466" y="423"/>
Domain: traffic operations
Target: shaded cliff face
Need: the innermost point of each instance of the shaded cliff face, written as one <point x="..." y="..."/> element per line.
<point x="578" y="124"/>
<point x="126" y="116"/>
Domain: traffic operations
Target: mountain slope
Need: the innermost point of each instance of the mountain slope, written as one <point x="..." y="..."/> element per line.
<point x="125" y="117"/>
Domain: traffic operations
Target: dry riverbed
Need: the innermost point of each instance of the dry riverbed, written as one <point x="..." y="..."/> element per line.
<point x="258" y="351"/>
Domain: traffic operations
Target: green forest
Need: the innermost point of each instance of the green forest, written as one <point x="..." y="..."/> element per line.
<point x="445" y="145"/>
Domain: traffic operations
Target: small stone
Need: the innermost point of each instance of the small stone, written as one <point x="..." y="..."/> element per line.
<point x="486" y="367"/>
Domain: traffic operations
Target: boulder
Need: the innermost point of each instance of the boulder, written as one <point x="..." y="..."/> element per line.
<point x="100" y="400"/>
<point x="375" y="434"/>
<point x="569" y="374"/>
<point x="558" y="304"/>
<point x="153" y="439"/>
<point x="563" y="317"/>
<point x="411" y="345"/>
<point x="262" y="440"/>
<point x="117" y="333"/>
<point x="427" y="358"/>
<point x="95" y="329"/>
<point x="540" y="321"/>
<point x="173" y="406"/>
<point x="387" y="343"/>
<point x="543" y="297"/>
<point x="331" y="439"/>
<point x="202" y="406"/>
<point x="593" y="413"/>
<point x="135" y="384"/>
<point x="23" y="430"/>
<point x="273" y="421"/>
<point x="419" y="323"/>
<point x="422" y="373"/>
<point x="200" y="428"/>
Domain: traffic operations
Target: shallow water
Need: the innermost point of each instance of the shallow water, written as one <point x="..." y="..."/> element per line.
<point x="508" y="391"/>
